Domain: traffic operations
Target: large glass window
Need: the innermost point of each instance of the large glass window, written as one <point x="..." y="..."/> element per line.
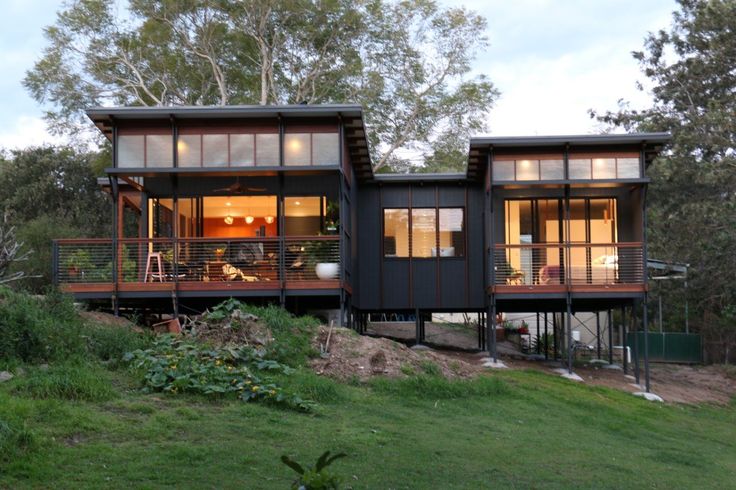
<point x="303" y="216"/>
<point x="604" y="168"/>
<point x="452" y="232"/>
<point x="503" y="170"/>
<point x="159" y="150"/>
<point x="267" y="150"/>
<point x="239" y="216"/>
<point x="311" y="149"/>
<point x="628" y="168"/>
<point x="151" y="150"/>
<point x="579" y="169"/>
<point x="215" y="150"/>
<point x="242" y="149"/>
<point x="325" y="149"/>
<point x="130" y="151"/>
<point x="396" y="232"/>
<point x="528" y="169"/>
<point x="297" y="149"/>
<point x="189" y="148"/>
<point x="424" y="238"/>
<point x="423" y="232"/>
<point x="551" y="169"/>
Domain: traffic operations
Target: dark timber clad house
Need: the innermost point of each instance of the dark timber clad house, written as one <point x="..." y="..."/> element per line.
<point x="280" y="203"/>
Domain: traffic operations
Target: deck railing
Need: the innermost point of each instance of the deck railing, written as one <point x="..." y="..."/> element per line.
<point x="559" y="264"/>
<point x="262" y="261"/>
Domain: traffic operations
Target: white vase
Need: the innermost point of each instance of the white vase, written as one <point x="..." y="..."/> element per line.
<point x="327" y="270"/>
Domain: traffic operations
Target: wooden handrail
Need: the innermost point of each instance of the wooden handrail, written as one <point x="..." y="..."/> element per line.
<point x="564" y="245"/>
<point x="108" y="241"/>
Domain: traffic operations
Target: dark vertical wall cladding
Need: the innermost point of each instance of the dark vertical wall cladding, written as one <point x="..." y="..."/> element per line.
<point x="476" y="265"/>
<point x="368" y="227"/>
<point x="312" y="185"/>
<point x="438" y="283"/>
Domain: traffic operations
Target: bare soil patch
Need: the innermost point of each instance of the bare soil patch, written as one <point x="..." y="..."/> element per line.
<point x="355" y="356"/>
<point x="673" y="382"/>
<point x="237" y="328"/>
<point x="101" y="318"/>
<point x="439" y="334"/>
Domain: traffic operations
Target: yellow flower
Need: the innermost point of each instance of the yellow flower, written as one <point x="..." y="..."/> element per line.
<point x="255" y="388"/>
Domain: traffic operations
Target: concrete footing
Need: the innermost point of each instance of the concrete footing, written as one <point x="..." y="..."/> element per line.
<point x="567" y="375"/>
<point x="649" y="396"/>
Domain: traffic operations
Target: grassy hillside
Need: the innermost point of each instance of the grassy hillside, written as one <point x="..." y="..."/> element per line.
<point x="89" y="425"/>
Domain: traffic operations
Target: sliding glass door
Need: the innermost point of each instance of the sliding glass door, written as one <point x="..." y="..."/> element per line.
<point x="536" y="235"/>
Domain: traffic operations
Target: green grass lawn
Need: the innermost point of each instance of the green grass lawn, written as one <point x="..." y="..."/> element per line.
<point x="505" y="430"/>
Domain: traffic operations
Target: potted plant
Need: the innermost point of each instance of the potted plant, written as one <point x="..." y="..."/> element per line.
<point x="332" y="218"/>
<point x="319" y="255"/>
<point x="78" y="262"/>
<point x="513" y="332"/>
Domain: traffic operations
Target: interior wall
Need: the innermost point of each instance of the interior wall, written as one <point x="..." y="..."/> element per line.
<point x="216" y="227"/>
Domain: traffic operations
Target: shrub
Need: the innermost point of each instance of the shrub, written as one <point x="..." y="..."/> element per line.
<point x="110" y="343"/>
<point x="292" y="334"/>
<point x="315" y="477"/>
<point x="36" y="329"/>
<point x="175" y="366"/>
<point x="80" y="382"/>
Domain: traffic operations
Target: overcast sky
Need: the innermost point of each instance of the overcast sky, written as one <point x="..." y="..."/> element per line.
<point x="552" y="60"/>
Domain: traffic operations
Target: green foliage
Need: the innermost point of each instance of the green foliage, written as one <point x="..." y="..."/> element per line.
<point x="317" y="388"/>
<point x="430" y="368"/>
<point x="438" y="388"/>
<point x="542" y="341"/>
<point x="37" y="235"/>
<point x="692" y="198"/>
<point x="407" y="62"/>
<point x="15" y="441"/>
<point x="42" y="329"/>
<point x="49" y="193"/>
<point x="292" y="334"/>
<point x="80" y="382"/>
<point x="315" y="477"/>
<point x="176" y="366"/>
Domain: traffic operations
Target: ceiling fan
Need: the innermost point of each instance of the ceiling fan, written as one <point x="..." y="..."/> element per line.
<point x="238" y="188"/>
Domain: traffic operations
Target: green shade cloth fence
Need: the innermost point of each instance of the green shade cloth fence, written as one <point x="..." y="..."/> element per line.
<point x="669" y="346"/>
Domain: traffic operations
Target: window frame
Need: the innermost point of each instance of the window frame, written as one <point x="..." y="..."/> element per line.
<point x="410" y="225"/>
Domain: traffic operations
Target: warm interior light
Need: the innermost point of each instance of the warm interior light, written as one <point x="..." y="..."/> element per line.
<point x="525" y="163"/>
<point x="249" y="219"/>
<point x="182" y="146"/>
<point x="228" y="204"/>
<point x="297" y="203"/>
<point x="228" y="220"/>
<point x="295" y="145"/>
<point x="269" y="219"/>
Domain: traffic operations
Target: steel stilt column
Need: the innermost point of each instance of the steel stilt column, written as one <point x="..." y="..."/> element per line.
<point x="635" y="327"/>
<point x="610" y="337"/>
<point x="546" y="338"/>
<point x="418" y="327"/>
<point x="645" y="321"/>
<point x="624" y="342"/>
<point x="569" y="335"/>
<point x="598" y="334"/>
<point x="491" y="333"/>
